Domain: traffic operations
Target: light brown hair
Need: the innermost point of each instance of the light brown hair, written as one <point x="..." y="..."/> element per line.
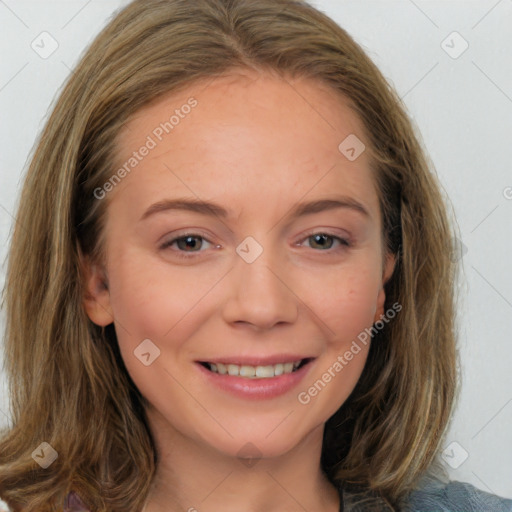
<point x="69" y="386"/>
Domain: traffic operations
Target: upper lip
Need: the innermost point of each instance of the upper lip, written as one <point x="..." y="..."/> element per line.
<point x="257" y="360"/>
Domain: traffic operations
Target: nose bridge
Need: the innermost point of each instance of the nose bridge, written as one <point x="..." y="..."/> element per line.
<point x="254" y="264"/>
<point x="260" y="295"/>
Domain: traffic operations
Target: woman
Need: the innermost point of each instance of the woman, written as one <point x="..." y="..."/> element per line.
<point x="230" y="285"/>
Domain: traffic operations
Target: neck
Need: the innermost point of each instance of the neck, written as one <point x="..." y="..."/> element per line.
<point x="193" y="476"/>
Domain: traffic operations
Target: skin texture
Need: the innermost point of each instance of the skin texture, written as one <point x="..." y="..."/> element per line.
<point x="258" y="146"/>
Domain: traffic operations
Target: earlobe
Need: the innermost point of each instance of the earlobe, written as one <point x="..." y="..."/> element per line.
<point x="96" y="298"/>
<point x="381" y="297"/>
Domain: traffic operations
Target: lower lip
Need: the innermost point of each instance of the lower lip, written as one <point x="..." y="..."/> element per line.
<point x="256" y="389"/>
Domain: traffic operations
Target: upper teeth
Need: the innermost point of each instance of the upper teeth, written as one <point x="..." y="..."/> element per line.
<point x="254" y="372"/>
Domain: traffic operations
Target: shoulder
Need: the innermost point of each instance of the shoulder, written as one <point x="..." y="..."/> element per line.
<point x="434" y="495"/>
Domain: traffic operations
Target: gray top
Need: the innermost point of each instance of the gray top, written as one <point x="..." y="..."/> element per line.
<point x="434" y="495"/>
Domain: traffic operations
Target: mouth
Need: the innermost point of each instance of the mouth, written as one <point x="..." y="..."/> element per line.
<point x="255" y="372"/>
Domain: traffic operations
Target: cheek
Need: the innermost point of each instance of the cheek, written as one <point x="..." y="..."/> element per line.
<point x="150" y="302"/>
<point x="345" y="300"/>
<point x="146" y="295"/>
<point x="347" y="306"/>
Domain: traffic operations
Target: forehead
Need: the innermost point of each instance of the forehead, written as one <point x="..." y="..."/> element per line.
<point x="249" y="98"/>
<point x="247" y="136"/>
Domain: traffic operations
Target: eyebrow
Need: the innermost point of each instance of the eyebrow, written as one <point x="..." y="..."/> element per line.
<point x="213" y="209"/>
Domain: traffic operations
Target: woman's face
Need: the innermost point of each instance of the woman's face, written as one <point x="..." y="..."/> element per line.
<point x="285" y="268"/>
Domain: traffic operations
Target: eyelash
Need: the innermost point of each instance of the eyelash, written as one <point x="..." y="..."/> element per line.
<point x="344" y="243"/>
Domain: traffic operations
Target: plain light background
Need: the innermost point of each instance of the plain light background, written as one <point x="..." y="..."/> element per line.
<point x="459" y="98"/>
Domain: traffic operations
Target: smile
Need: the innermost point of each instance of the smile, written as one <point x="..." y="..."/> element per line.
<point x="255" y="372"/>
<point x="256" y="378"/>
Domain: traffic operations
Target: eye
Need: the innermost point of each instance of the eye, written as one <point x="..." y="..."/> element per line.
<point x="325" y="241"/>
<point x="190" y="243"/>
<point x="187" y="243"/>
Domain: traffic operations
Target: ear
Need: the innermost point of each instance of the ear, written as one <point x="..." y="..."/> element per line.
<point x="381" y="297"/>
<point x="96" y="298"/>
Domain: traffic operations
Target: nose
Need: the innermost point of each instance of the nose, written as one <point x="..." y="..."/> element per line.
<point x="261" y="294"/>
